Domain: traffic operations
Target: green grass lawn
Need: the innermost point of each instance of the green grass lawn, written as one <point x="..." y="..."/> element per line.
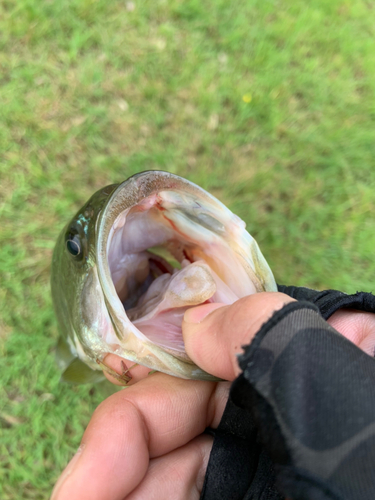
<point x="268" y="105"/>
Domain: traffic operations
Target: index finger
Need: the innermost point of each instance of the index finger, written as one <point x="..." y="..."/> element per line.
<point x="156" y="416"/>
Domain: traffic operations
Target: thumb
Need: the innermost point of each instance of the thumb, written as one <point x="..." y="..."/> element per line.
<point x="214" y="334"/>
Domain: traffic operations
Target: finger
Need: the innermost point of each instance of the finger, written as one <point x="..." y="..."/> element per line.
<point x="356" y="326"/>
<point x="154" y="417"/>
<point x="178" y="474"/>
<point x="214" y="334"/>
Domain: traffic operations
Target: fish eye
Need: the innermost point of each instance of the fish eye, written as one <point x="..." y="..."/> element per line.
<point x="74" y="245"/>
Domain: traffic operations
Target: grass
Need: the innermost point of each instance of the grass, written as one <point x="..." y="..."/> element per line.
<point x="270" y="106"/>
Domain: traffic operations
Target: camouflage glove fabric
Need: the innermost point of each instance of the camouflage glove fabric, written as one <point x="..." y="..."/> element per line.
<point x="300" y="419"/>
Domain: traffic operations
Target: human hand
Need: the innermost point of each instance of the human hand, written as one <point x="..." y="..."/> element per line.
<point x="146" y="442"/>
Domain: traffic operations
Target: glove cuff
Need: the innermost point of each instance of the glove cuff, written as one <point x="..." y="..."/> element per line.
<point x="329" y="301"/>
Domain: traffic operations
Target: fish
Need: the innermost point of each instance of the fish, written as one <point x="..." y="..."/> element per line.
<point x="130" y="263"/>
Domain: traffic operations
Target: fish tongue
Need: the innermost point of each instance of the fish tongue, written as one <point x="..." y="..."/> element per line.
<point x="189" y="286"/>
<point x="160" y="310"/>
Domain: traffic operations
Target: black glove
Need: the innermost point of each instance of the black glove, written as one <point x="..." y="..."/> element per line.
<point x="253" y="455"/>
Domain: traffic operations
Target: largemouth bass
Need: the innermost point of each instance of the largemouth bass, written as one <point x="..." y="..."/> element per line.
<point x="133" y="259"/>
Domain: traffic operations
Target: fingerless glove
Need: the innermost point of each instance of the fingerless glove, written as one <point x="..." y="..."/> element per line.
<point x="300" y="419"/>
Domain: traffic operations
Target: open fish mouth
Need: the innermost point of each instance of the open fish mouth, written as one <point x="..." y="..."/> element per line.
<point x="137" y="258"/>
<point x="174" y="247"/>
<point x="166" y="254"/>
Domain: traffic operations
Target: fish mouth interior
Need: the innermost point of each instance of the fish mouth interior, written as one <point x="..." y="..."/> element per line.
<point x="166" y="254"/>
